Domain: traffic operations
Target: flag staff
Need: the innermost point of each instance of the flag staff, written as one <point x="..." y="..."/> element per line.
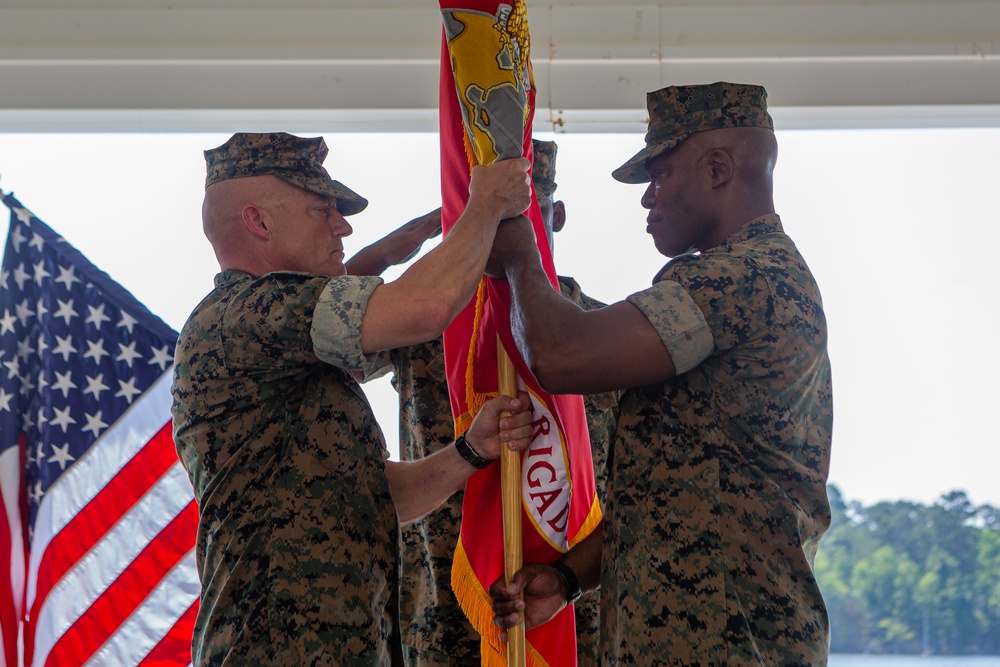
<point x="510" y="482"/>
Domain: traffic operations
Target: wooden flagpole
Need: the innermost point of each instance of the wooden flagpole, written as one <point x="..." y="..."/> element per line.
<point x="510" y="481"/>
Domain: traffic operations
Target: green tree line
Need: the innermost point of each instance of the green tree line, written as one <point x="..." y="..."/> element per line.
<point x="901" y="577"/>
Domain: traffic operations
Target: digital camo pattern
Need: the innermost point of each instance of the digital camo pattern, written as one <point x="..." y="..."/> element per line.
<point x="297" y="541"/>
<point x="543" y="167"/>
<point x="430" y="619"/>
<point x="340" y="308"/>
<point x="296" y="160"/>
<point x="718" y="481"/>
<point x="602" y="418"/>
<point x="676" y="112"/>
<point x="433" y="625"/>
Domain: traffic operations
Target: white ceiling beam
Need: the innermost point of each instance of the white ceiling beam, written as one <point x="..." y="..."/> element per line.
<point x="128" y="65"/>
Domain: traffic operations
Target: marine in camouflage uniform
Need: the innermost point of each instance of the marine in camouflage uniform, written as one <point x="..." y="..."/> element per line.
<point x="261" y="431"/>
<point x="258" y="425"/>
<point x="712" y="535"/>
<point x="717" y="489"/>
<point x="297" y="545"/>
<point x="435" y="631"/>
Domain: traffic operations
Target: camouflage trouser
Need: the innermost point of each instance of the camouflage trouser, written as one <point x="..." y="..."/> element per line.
<point x="588" y="629"/>
<point x="414" y="657"/>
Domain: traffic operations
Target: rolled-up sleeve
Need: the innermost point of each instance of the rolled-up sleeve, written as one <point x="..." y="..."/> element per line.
<point x="336" y="325"/>
<point x="679" y="322"/>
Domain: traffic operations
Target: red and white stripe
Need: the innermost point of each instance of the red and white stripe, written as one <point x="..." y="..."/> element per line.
<point x="111" y="578"/>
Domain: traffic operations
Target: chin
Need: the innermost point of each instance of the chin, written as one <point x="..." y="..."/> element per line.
<point x="665" y="249"/>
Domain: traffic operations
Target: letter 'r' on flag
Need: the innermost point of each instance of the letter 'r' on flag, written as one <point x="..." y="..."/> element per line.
<point x="98" y="520"/>
<point x="487" y="100"/>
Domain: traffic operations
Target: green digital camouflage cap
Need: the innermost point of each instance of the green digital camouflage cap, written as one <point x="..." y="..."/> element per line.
<point x="296" y="160"/>
<point x="676" y="112"/>
<point x="543" y="167"/>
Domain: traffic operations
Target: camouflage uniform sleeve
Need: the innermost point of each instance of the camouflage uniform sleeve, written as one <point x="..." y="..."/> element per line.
<point x="266" y="324"/>
<point x="336" y="327"/>
<point x="732" y="291"/>
<point x="679" y="322"/>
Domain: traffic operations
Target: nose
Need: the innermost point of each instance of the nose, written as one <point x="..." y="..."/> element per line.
<point x="648" y="197"/>
<point x="341" y="226"/>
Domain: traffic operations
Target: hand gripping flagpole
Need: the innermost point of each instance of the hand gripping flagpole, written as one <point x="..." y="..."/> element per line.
<point x="510" y="482"/>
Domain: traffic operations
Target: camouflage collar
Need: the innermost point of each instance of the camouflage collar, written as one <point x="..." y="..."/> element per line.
<point x="229" y="276"/>
<point x="765" y="224"/>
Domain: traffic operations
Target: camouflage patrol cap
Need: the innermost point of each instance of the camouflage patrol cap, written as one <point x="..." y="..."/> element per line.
<point x="676" y="112"/>
<point x="296" y="160"/>
<point x="543" y="167"/>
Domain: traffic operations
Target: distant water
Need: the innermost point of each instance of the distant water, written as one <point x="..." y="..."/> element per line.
<point x="851" y="660"/>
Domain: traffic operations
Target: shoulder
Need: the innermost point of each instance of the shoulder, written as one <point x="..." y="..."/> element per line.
<point x="719" y="271"/>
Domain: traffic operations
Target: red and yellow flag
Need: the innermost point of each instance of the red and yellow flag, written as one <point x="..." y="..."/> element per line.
<point x="487" y="100"/>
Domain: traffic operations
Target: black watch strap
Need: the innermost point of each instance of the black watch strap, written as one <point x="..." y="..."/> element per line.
<point x="573" y="591"/>
<point x="470" y="455"/>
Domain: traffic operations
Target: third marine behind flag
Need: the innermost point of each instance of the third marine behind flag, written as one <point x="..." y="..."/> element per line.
<point x="486" y="106"/>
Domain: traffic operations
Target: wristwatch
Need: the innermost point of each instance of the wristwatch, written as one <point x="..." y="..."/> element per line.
<point x="573" y="591"/>
<point x="470" y="455"/>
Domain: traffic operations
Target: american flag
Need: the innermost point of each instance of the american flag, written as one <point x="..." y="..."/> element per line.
<point x="98" y="520"/>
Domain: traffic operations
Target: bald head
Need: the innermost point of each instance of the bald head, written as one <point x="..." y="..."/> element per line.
<point x="754" y="151"/>
<point x="742" y="160"/>
<point x="261" y="224"/>
<point x="222" y="209"/>
<point x="230" y="216"/>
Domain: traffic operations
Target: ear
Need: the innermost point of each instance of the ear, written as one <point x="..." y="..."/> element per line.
<point x="558" y="215"/>
<point x="254" y="219"/>
<point x="720" y="165"/>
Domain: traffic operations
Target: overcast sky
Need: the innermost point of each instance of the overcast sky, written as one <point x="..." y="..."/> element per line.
<point x="901" y="228"/>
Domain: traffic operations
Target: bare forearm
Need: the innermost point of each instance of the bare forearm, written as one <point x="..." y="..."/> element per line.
<point x="542" y="320"/>
<point x="367" y="262"/>
<point x="397" y="247"/>
<point x="573" y="351"/>
<point x="419" y="304"/>
<point x="418" y="487"/>
<point x="585" y="559"/>
<point x="453" y="270"/>
<point x="424" y="300"/>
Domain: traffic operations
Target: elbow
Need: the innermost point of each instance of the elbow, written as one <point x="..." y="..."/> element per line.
<point x="551" y="371"/>
<point x="431" y="319"/>
<point x="546" y="357"/>
<point x="439" y="316"/>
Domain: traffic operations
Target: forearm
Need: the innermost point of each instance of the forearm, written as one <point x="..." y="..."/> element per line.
<point x="368" y="261"/>
<point x="573" y="351"/>
<point x="585" y="559"/>
<point x="423" y="301"/>
<point x="452" y="271"/>
<point x="426" y="298"/>
<point x="397" y="247"/>
<point x="418" y="487"/>
<point x="542" y="320"/>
